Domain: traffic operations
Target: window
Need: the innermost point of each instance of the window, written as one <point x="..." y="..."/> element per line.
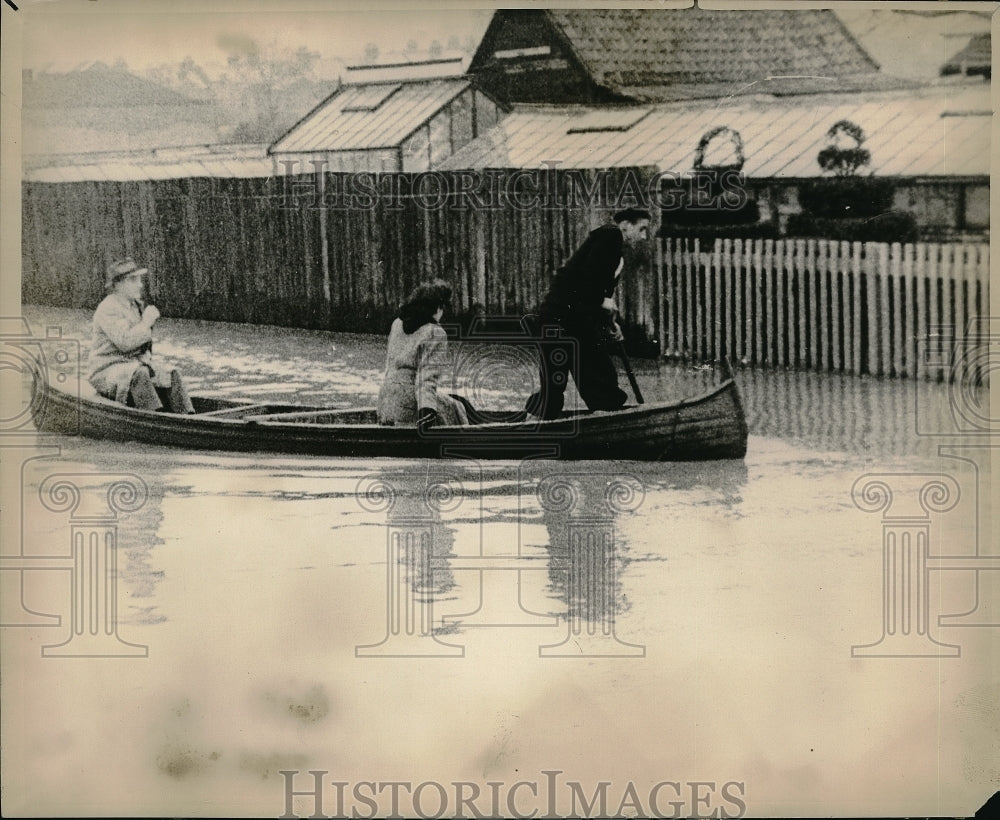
<point x="368" y="98"/>
<point x="514" y="53"/>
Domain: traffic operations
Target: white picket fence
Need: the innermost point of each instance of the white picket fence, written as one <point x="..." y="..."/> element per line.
<point x="878" y="308"/>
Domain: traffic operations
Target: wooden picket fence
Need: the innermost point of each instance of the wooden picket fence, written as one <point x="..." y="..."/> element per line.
<point x="875" y="308"/>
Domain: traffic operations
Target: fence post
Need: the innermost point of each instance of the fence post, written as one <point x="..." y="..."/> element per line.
<point x="983" y="302"/>
<point x="742" y="310"/>
<point x="768" y="273"/>
<point x="732" y="328"/>
<point x="871" y="304"/>
<point x="687" y="261"/>
<point x="947" y="312"/>
<point x="699" y="302"/>
<point x="789" y="274"/>
<point x="856" y="321"/>
<point x="844" y="285"/>
<point x="813" y="345"/>
<point x="779" y="300"/>
<point x="909" y="335"/>
<point x="717" y="300"/>
<point x="661" y="339"/>
<point x="800" y="283"/>
<point x="895" y="265"/>
<point x="959" y="290"/>
<point x="920" y="322"/>
<point x="885" y="361"/>
<point x="758" y="276"/>
<point x="670" y="290"/>
<point x="831" y="333"/>
<point x="934" y="284"/>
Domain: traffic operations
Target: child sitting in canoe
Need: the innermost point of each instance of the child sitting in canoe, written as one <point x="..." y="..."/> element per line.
<point x="416" y="359"/>
<point x="121" y="364"/>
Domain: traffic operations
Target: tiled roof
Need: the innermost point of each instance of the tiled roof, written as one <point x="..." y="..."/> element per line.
<point x="625" y="48"/>
<point x="935" y="135"/>
<point x="976" y="56"/>
<point x="774" y="86"/>
<point x="333" y="126"/>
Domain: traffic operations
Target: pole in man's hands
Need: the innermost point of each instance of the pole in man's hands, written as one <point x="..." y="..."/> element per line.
<point x="628" y="372"/>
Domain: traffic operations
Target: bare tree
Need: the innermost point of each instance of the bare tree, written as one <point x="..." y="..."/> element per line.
<point x="261" y="77"/>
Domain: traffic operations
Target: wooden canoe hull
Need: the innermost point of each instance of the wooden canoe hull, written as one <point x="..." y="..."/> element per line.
<point x="711" y="426"/>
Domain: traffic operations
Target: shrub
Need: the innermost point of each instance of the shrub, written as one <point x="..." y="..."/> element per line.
<point x="892" y="226"/>
<point x="760" y="230"/>
<point x="745" y="216"/>
<point x="847" y="196"/>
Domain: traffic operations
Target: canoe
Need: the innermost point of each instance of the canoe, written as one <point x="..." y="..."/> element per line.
<point x="709" y="426"/>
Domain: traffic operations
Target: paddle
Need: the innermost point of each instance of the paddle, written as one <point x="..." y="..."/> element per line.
<point x="620" y="349"/>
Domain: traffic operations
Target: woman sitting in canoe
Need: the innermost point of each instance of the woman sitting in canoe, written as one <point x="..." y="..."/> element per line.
<point x="416" y="359"/>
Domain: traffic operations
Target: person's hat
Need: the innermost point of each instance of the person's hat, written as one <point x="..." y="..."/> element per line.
<point x="116" y="270"/>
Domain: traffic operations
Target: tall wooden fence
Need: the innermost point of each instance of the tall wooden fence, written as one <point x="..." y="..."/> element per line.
<point x="294" y="251"/>
<point x="876" y="308"/>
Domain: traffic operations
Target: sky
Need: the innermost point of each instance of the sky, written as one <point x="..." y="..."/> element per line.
<point x="61" y="34"/>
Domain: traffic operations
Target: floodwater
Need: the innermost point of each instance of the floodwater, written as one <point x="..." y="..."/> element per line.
<point x="682" y="633"/>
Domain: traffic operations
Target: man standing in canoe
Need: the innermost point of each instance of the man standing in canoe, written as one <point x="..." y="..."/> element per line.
<point x="579" y="304"/>
<point x="121" y="364"/>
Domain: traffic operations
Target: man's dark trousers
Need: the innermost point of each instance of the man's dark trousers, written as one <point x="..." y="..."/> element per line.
<point x="582" y="348"/>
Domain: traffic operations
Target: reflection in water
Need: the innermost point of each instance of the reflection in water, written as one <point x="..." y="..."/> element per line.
<point x="418" y="547"/>
<point x="584" y="555"/>
<point x="832" y="412"/>
<point x="97" y="528"/>
<point x="587" y="557"/>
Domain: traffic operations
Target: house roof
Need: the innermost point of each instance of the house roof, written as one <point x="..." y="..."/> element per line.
<point x="665" y="54"/>
<point x="205" y="161"/>
<point x="96" y="85"/>
<point x="975" y="58"/>
<point x="398" y="70"/>
<point x="369" y="116"/>
<point x="933" y="135"/>
<point x="643" y="47"/>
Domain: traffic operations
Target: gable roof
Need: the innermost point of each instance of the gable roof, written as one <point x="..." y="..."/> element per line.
<point x="662" y="54"/>
<point x="641" y="47"/>
<point x="936" y="135"/>
<point x="369" y="116"/>
<point x="975" y="58"/>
